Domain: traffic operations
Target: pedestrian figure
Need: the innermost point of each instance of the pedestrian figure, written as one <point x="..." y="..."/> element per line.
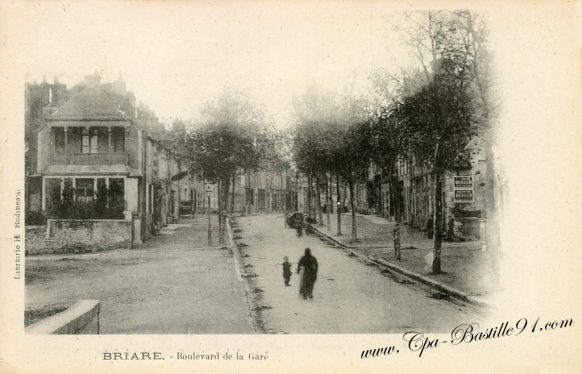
<point x="430" y="228"/>
<point x="300" y="230"/>
<point x="286" y="271"/>
<point x="308" y="265"/>
<point x="451" y="229"/>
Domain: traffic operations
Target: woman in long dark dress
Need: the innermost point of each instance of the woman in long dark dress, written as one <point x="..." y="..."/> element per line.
<point x="308" y="264"/>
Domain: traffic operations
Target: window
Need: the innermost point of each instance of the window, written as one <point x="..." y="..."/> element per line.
<point x="94" y="140"/>
<point x="116" y="197"/>
<point x="74" y="140"/>
<point x="103" y="140"/>
<point x="85" y="141"/>
<point x="59" y="139"/>
<point x="118" y="139"/>
<point x="85" y="190"/>
<point x="53" y="198"/>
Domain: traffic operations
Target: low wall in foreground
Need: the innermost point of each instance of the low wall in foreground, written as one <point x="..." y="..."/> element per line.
<point x="81" y="318"/>
<point x="78" y="236"/>
<point x="95" y="233"/>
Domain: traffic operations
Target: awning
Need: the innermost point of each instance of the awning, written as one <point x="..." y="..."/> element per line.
<point x="180" y="175"/>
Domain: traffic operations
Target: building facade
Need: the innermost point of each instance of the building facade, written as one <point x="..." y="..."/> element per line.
<point x="90" y="158"/>
<point x="266" y="191"/>
<point x="463" y="196"/>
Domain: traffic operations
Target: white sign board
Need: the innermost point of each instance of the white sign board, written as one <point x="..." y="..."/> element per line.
<point x="463" y="189"/>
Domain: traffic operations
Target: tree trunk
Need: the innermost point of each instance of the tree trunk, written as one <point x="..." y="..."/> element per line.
<point x="438" y="227"/>
<point x="318" y="195"/>
<point x="232" y="196"/>
<point x="220" y="217"/>
<point x="271" y="192"/>
<point x="394" y="190"/>
<point x="223" y="204"/>
<point x="309" y="198"/>
<point x="339" y="214"/>
<point x="226" y="204"/>
<point x="205" y="199"/>
<point x="389" y="201"/>
<point x="353" y="206"/>
<point x="282" y="196"/>
<point x="327" y="203"/>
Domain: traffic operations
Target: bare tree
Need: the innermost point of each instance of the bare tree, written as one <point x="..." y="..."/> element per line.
<point x="441" y="114"/>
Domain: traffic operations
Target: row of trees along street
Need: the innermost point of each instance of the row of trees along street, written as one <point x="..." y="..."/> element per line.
<point x="430" y="112"/>
<point x="231" y="137"/>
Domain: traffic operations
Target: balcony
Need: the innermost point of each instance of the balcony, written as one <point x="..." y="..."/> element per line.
<point x="89" y="159"/>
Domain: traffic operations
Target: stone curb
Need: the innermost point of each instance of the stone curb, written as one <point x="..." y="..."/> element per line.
<point x="329" y="237"/>
<point x="243" y="280"/>
<point x="460" y="295"/>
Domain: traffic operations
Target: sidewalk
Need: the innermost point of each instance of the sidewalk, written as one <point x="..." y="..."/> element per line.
<point x="175" y="285"/>
<point x="197" y="231"/>
<point x="465" y="267"/>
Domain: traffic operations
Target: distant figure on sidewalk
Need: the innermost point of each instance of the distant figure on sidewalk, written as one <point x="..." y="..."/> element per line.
<point x="286" y="271"/>
<point x="451" y="230"/>
<point x="299" y="231"/>
<point x="430" y="228"/>
<point x="308" y="264"/>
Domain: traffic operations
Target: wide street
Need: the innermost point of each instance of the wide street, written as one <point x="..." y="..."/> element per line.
<point x="174" y="286"/>
<point x="179" y="285"/>
<point x="349" y="297"/>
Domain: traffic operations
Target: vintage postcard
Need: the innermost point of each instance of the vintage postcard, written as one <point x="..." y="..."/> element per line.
<point x="294" y="187"/>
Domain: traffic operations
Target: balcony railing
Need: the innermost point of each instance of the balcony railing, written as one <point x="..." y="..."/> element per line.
<point x="89" y="159"/>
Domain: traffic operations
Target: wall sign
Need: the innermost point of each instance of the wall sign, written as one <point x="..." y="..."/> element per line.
<point x="463" y="189"/>
<point x="464" y="196"/>
<point x="463" y="182"/>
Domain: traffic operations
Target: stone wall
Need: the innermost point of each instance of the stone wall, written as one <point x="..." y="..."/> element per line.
<point x="78" y="236"/>
<point x="35" y="239"/>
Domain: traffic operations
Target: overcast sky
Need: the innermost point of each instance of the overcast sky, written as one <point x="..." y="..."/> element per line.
<point x="174" y="57"/>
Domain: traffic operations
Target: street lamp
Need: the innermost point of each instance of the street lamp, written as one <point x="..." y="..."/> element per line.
<point x="209" y="194"/>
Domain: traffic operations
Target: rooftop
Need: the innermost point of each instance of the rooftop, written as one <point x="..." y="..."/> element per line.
<point x="90" y="102"/>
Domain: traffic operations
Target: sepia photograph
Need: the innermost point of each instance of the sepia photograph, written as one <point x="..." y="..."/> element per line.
<point x="348" y="199"/>
<point x="222" y="184"/>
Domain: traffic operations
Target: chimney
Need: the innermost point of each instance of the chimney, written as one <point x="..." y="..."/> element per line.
<point x="48" y="111"/>
<point x="56" y="80"/>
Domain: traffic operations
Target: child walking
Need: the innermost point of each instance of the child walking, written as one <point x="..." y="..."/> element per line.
<point x="286" y="271"/>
